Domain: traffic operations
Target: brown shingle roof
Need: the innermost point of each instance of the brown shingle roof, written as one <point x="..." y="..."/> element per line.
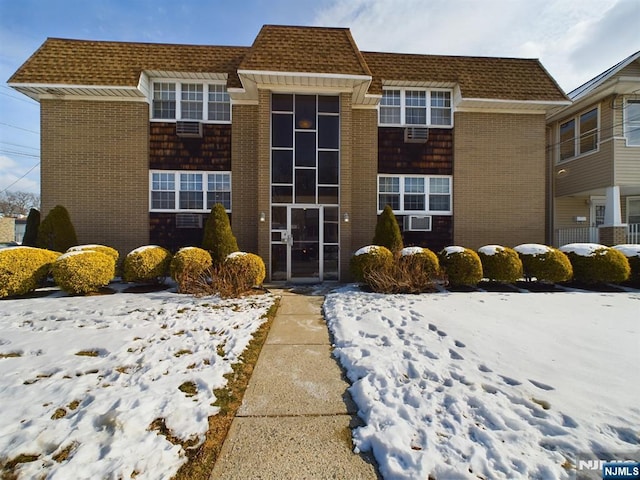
<point x="305" y="49"/>
<point x="80" y="62"/>
<point x="478" y="77"/>
<point x="284" y="48"/>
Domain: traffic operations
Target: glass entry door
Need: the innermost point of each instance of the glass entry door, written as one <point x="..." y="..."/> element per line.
<point x="304" y="243"/>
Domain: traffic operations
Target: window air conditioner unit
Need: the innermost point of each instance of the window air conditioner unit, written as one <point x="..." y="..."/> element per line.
<point x="417" y="223"/>
<point x="189" y="129"/>
<point x="416" y="135"/>
<point x="188" y="220"/>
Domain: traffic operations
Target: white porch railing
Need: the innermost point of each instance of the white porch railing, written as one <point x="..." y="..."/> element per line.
<point x="577" y="235"/>
<point x="591" y="235"/>
<point x="633" y="233"/>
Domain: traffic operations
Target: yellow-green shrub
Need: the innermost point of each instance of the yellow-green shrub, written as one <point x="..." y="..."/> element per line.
<point x="422" y="259"/>
<point x="370" y="258"/>
<point x="461" y="265"/>
<point x="546" y="264"/>
<point x="500" y="264"/>
<point x="147" y="264"/>
<point x="111" y="252"/>
<point x="247" y="264"/>
<point x="83" y="271"/>
<point x="593" y="263"/>
<point x="189" y="263"/>
<point x="632" y="252"/>
<point x="23" y="269"/>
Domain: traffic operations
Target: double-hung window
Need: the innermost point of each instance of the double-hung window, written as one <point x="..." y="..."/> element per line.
<point x="579" y="135"/>
<point x="632" y="122"/>
<point x="208" y="102"/>
<point x="416" y="107"/>
<point x="189" y="191"/>
<point x="415" y="194"/>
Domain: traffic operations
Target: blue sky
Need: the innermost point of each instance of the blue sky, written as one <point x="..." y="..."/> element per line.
<point x="574" y="39"/>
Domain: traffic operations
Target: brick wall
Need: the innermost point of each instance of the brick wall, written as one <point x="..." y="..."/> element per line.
<point x="7" y="229"/>
<point x="361" y="175"/>
<point x="244" y="179"/>
<point x="95" y="163"/>
<point x="499" y="179"/>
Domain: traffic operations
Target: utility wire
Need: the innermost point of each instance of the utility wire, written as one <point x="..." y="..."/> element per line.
<point x="13" y="152"/>
<point x="26" y="173"/>
<point x="20" y="128"/>
<point x="33" y="104"/>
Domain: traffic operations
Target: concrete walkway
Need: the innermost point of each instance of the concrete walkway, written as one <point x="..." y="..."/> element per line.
<point x="296" y="417"/>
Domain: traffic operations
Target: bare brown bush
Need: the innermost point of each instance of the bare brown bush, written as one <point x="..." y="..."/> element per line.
<point x="227" y="280"/>
<point x="401" y="277"/>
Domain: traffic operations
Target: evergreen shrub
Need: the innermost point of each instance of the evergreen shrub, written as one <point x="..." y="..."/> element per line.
<point x="56" y="231"/>
<point x="147" y="264"/>
<point x="218" y="239"/>
<point x="370" y="258"/>
<point x="421" y="259"/>
<point x="594" y="263"/>
<point x="30" y="238"/>
<point x="110" y="252"/>
<point x="500" y="264"/>
<point x="462" y="266"/>
<point x="23" y="269"/>
<point x="388" y="232"/>
<point x="544" y="263"/>
<point x="83" y="271"/>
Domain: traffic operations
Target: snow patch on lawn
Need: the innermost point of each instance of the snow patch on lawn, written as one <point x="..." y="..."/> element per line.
<point x="90" y="374"/>
<point x="489" y="385"/>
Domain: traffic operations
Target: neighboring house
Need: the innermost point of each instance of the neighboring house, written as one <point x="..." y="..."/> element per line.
<point x="302" y="137"/>
<point x="594" y="149"/>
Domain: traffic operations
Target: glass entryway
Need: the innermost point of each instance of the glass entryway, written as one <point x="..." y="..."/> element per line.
<point x="305" y="171"/>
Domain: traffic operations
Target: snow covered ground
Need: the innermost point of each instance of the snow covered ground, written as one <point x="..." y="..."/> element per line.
<point x="87" y="376"/>
<point x="491" y="385"/>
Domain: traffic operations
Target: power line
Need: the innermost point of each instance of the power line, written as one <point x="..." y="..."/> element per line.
<point x="19" y="128"/>
<point x="21" y="146"/>
<point x="33" y="104"/>
<point x="14" y="152"/>
<point x="26" y="173"/>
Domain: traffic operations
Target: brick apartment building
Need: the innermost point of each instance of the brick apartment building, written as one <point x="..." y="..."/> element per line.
<point x="303" y="137"/>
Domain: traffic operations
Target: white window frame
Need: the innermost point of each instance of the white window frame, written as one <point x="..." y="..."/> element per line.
<point x="428" y="107"/>
<point x="577" y="135"/>
<point x="628" y="124"/>
<point x="427" y="192"/>
<point x="210" y="86"/>
<point x="629" y="201"/>
<point x="177" y="189"/>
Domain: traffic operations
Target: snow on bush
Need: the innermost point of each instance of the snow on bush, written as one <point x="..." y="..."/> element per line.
<point x="189" y="263"/>
<point x="149" y="263"/>
<point x="544" y="263"/>
<point x="370" y="258"/>
<point x="461" y="265"/>
<point x="632" y="252"/>
<point x="595" y="263"/>
<point x="500" y="264"/>
<point x="83" y="271"/>
<point x="248" y="264"/>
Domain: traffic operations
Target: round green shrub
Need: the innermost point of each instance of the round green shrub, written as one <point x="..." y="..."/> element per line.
<point x="83" y="271"/>
<point x="544" y="263"/>
<point x="461" y="265"/>
<point x="422" y="258"/>
<point x="632" y="252"/>
<point x="148" y="264"/>
<point x="500" y="264"/>
<point x="372" y="257"/>
<point x="593" y="263"/>
<point x="111" y="252"/>
<point x="23" y="269"/>
<point x="189" y="261"/>
<point x="247" y="264"/>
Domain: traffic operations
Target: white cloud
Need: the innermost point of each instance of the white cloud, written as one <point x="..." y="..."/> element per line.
<point x="10" y="176"/>
<point x="574" y="39"/>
